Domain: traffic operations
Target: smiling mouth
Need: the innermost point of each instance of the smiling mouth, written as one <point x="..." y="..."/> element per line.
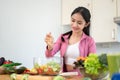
<point x="75" y="28"/>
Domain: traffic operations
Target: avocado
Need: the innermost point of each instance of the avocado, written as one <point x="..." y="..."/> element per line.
<point x="20" y="70"/>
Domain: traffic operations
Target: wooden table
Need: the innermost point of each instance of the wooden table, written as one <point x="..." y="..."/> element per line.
<point x="38" y="77"/>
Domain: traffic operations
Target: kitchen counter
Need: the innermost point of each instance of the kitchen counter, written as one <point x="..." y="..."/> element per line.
<point x="38" y="77"/>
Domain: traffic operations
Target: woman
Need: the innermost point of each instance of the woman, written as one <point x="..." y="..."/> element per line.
<point x="74" y="43"/>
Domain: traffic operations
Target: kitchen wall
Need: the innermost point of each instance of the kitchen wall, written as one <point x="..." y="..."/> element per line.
<point x="113" y="47"/>
<point x="23" y="26"/>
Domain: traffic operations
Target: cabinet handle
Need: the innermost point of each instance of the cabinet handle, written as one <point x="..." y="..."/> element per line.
<point x="113" y="34"/>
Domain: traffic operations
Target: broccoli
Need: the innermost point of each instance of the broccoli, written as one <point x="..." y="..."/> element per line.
<point x="103" y="59"/>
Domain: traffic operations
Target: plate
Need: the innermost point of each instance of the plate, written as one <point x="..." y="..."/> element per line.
<point x="69" y="74"/>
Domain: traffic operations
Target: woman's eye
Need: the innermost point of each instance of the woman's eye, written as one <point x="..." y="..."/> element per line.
<point x="73" y="20"/>
<point x="79" y="23"/>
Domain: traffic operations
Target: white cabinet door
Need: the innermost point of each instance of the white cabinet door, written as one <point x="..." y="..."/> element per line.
<point x="103" y="28"/>
<point x="69" y="5"/>
<point x="118" y="8"/>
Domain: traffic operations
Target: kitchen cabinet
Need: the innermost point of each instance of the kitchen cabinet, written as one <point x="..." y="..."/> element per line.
<point x="103" y="28"/>
<point x="69" y="5"/>
<point x="117" y="17"/>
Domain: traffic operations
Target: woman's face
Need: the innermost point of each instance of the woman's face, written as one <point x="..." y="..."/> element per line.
<point x="77" y="23"/>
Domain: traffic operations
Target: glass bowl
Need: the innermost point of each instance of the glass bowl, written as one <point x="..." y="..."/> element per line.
<point x="48" y="66"/>
<point x="100" y="75"/>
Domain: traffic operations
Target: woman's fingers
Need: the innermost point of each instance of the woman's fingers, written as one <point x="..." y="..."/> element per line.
<point x="49" y="39"/>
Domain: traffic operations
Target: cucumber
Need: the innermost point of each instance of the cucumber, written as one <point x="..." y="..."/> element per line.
<point x="25" y="77"/>
<point x="59" y="78"/>
<point x="13" y="76"/>
<point x="9" y="70"/>
<point x="11" y="64"/>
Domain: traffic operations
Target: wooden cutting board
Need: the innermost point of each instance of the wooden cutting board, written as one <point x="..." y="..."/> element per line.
<point x="31" y="77"/>
<point x="38" y="77"/>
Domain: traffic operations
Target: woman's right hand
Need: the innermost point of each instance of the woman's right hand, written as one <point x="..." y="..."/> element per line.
<point x="49" y="41"/>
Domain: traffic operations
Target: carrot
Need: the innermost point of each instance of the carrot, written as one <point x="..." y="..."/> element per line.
<point x="81" y="58"/>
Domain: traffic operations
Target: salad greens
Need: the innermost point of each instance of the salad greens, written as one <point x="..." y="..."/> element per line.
<point x="92" y="64"/>
<point x="55" y="66"/>
<point x="95" y="64"/>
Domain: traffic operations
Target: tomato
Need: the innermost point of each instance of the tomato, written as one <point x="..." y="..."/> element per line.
<point x="40" y="71"/>
<point x="7" y="62"/>
<point x="26" y="71"/>
<point x="50" y="70"/>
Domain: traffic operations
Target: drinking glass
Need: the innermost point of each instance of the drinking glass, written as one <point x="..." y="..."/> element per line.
<point x="113" y="63"/>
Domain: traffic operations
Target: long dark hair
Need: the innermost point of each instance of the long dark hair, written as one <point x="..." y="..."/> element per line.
<point x="85" y="13"/>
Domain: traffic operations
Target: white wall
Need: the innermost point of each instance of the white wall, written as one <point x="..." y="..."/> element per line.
<point x="23" y="26"/>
